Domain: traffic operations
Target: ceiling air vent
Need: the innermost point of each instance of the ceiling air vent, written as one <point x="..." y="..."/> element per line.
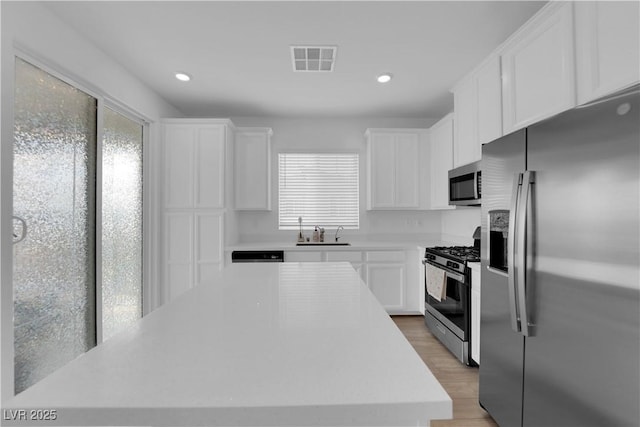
<point x="313" y="58"/>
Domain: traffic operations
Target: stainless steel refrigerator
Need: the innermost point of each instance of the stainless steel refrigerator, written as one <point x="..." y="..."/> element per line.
<point x="560" y="316"/>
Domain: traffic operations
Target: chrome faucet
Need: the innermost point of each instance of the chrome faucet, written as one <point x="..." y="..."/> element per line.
<point x="338" y="229"/>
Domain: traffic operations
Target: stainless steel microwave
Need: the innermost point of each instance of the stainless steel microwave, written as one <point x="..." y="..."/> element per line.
<point x="465" y="185"/>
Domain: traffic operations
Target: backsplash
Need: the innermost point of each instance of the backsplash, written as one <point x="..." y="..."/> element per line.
<point x="374" y="225"/>
<point x="458" y="225"/>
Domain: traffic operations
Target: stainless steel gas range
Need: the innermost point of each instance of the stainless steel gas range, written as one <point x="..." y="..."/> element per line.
<point x="448" y="296"/>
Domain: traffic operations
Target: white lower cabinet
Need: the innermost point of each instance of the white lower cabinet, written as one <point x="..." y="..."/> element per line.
<point x="387" y="283"/>
<point x="392" y="276"/>
<point x="192" y="249"/>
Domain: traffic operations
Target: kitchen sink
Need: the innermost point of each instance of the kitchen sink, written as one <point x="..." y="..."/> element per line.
<point x="323" y="244"/>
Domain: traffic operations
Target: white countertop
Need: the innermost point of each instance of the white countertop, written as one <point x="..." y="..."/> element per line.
<point x="262" y="344"/>
<point x="361" y="245"/>
<point x="474" y="265"/>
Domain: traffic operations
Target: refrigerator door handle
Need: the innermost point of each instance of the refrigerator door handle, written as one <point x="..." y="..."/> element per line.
<point x="511" y="253"/>
<point x="521" y="257"/>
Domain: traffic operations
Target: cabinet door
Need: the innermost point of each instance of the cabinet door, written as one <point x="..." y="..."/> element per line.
<point x="607" y="47"/>
<point x="407" y="178"/>
<point x="178" y="254"/>
<point x="179" y="159"/>
<point x="208" y="245"/>
<point x="381" y="170"/>
<point x="441" y="161"/>
<point x="489" y="102"/>
<point x="465" y="148"/>
<point x="386" y="282"/>
<point x="253" y="169"/>
<point x="210" y="167"/>
<point x="538" y="68"/>
<point x="194" y="166"/>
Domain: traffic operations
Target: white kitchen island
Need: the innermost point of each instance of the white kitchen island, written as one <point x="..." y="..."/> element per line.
<point x="263" y="344"/>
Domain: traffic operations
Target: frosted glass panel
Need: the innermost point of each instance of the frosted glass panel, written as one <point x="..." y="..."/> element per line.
<point x="54" y="192"/>
<point x="121" y="223"/>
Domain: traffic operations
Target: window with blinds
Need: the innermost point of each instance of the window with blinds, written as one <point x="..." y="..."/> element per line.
<point x="322" y="188"/>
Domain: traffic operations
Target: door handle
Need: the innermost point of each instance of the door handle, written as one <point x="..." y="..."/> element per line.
<point x="522" y="245"/>
<point x="23" y="234"/>
<point x="511" y="253"/>
<point x="476" y="193"/>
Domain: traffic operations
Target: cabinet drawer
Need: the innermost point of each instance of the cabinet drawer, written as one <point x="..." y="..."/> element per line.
<point x="344" y="256"/>
<point x="303" y="256"/>
<point x="386" y="256"/>
<point x="445" y="336"/>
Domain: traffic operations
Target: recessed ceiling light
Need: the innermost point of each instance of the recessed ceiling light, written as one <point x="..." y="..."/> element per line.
<point x="384" y="78"/>
<point x="183" y="77"/>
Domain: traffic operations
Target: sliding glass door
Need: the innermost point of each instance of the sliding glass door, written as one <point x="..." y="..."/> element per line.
<point x="54" y="194"/>
<point x="77" y="257"/>
<point x="121" y="222"/>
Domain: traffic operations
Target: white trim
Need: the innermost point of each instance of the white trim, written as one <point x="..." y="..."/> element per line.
<point x="198" y="121"/>
<point x="6" y="214"/>
<point x="79" y="83"/>
<point x="56" y="71"/>
<point x="98" y="218"/>
<point x="149" y="223"/>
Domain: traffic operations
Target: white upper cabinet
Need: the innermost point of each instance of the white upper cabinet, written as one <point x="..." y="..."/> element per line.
<point x="538" y="68"/>
<point x="569" y="53"/>
<point x="194" y="164"/>
<point x="253" y="168"/>
<point x="478" y="111"/>
<point x="607" y="47"/>
<point x="441" y="142"/>
<point x="466" y="148"/>
<point x="396" y="167"/>
<point x="489" y="85"/>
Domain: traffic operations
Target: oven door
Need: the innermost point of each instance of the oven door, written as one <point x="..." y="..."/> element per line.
<point x="452" y="311"/>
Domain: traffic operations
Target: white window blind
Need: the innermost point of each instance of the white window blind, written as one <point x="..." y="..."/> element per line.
<point x="322" y="188"/>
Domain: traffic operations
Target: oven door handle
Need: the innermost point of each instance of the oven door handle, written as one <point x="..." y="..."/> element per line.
<point x="455" y="276"/>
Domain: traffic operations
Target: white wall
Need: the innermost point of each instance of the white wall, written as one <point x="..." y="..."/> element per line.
<point x="338" y="134"/>
<point x="34" y="30"/>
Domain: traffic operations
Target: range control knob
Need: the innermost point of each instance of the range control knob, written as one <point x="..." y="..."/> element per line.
<point x="453" y="265"/>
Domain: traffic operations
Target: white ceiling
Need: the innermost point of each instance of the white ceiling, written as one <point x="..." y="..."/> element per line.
<point x="238" y="52"/>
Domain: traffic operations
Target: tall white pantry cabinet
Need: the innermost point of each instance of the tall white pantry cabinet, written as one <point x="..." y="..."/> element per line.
<point x="195" y="153"/>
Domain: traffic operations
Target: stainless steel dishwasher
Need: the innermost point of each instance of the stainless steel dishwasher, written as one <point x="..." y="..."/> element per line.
<point x="257" y="256"/>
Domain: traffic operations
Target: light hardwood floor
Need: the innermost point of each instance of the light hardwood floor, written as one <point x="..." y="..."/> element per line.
<point x="460" y="381"/>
